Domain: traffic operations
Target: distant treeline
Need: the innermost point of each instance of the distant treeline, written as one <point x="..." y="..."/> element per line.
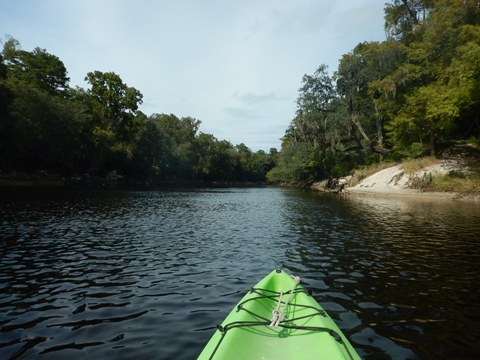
<point x="47" y="126"/>
<point x="404" y="97"/>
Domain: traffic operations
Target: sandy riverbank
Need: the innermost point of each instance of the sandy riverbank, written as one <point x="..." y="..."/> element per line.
<point x="395" y="182"/>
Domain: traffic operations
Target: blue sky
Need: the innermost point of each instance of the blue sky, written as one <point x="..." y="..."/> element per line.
<point x="234" y="65"/>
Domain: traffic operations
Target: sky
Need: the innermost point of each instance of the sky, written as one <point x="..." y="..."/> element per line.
<point x="235" y="65"/>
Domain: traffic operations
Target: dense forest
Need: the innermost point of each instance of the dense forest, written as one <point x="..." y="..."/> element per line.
<point x="47" y="126"/>
<point x="408" y="96"/>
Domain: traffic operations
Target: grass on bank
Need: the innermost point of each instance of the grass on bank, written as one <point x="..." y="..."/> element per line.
<point x="411" y="166"/>
<point x="456" y="182"/>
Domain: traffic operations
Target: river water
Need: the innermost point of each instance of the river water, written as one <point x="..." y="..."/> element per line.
<point x="125" y="274"/>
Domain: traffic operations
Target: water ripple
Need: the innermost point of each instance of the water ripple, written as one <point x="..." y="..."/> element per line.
<point x="150" y="274"/>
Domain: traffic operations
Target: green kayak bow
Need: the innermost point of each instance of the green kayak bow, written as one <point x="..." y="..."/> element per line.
<point x="278" y="319"/>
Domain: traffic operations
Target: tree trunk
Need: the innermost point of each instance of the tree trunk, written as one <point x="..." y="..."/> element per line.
<point x="360" y="128"/>
<point x="380" y="150"/>
<point x="433" y="142"/>
<point x="379" y="131"/>
<point x="376" y="149"/>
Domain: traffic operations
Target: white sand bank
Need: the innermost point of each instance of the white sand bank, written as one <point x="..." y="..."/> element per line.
<point x="394" y="181"/>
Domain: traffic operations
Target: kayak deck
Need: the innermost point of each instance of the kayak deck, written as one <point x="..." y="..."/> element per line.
<point x="278" y="319"/>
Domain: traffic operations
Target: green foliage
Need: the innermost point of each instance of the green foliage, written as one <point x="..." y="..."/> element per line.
<point x="403" y="17"/>
<point x="279" y="175"/>
<point x="392" y="100"/>
<point x="456" y="174"/>
<point x="37" y="68"/>
<point x="115" y="123"/>
<point x="46" y="125"/>
<point x="297" y="162"/>
<point x="152" y="153"/>
<point x="316" y="92"/>
<point x="387" y="100"/>
<point x="475" y="141"/>
<point x="462" y="184"/>
<point x="41" y="131"/>
<point x="415" y="150"/>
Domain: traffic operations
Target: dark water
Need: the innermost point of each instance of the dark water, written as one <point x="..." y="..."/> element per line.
<point x="149" y="274"/>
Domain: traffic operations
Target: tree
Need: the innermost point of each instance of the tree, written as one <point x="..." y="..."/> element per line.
<point x="253" y="166"/>
<point x="152" y="156"/>
<point x="316" y="92"/>
<point x="37" y="68"/>
<point x="6" y="98"/>
<point x="320" y="135"/>
<point x="40" y="128"/>
<point x="181" y="133"/>
<point x="464" y="80"/>
<point x="115" y="121"/>
<point x="403" y="17"/>
<point x="439" y="76"/>
<point x="315" y="96"/>
<point x="361" y="85"/>
<point x="44" y="132"/>
<point x="295" y="164"/>
<point x="46" y="125"/>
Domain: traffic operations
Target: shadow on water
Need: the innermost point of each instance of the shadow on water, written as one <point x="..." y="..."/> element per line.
<point x="400" y="276"/>
<point x="149" y="274"/>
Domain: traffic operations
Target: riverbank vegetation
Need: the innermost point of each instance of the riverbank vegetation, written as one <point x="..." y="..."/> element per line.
<point x="415" y="94"/>
<point x="456" y="182"/>
<point x="412" y="95"/>
<point x="98" y="135"/>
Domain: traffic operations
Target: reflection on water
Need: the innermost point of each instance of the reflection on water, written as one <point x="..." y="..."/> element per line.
<point x="401" y="276"/>
<point x="149" y="274"/>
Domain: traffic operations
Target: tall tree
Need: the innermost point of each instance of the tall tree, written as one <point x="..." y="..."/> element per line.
<point x="433" y="73"/>
<point x="315" y="96"/>
<point x="37" y="68"/>
<point x="115" y="123"/>
<point x="403" y="17"/>
<point x="357" y="71"/>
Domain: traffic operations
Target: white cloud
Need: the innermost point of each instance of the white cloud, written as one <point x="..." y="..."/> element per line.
<point x="238" y="112"/>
